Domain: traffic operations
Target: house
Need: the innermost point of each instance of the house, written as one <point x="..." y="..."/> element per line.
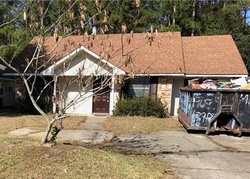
<point x="7" y="92"/>
<point x="155" y="64"/>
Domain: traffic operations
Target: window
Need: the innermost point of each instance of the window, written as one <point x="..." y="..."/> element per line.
<point x="138" y="87"/>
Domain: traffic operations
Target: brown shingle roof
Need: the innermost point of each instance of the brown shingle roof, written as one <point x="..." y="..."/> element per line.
<point x="215" y="55"/>
<point x="212" y="55"/>
<point x="164" y="55"/>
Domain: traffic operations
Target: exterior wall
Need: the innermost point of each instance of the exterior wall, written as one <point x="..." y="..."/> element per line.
<point x="87" y="64"/>
<point x="114" y="97"/>
<point x="164" y="90"/>
<point x="8" y="96"/>
<point x="83" y="106"/>
<point x="177" y="83"/>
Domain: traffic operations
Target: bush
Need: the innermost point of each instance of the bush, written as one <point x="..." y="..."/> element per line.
<point x="25" y="106"/>
<point x="140" y="106"/>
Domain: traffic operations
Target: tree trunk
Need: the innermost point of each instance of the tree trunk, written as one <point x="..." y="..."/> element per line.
<point x="193" y="16"/>
<point x="50" y="122"/>
<point x="47" y="131"/>
<point x="244" y="16"/>
<point x="174" y="11"/>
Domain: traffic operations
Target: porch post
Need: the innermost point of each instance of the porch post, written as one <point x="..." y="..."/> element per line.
<point x="54" y="94"/>
<point x="112" y="95"/>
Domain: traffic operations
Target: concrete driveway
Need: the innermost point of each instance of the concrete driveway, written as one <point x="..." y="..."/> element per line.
<point x="195" y="156"/>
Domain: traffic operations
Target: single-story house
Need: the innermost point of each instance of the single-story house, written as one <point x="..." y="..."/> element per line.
<point x="155" y="64"/>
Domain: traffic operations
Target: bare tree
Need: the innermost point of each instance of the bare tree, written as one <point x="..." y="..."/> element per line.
<point x="31" y="73"/>
<point x="59" y="73"/>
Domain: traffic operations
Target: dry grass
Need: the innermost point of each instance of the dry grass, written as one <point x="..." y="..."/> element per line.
<point x="121" y="125"/>
<point x="12" y="122"/>
<point x="24" y="158"/>
<point x="78" y="161"/>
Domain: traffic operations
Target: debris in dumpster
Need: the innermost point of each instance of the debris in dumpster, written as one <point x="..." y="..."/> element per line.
<point x="247" y="86"/>
<point x="239" y="81"/>
<point x="208" y="84"/>
<point x="201" y="83"/>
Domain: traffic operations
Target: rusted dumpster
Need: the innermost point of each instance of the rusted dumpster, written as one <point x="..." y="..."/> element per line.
<point x="215" y="110"/>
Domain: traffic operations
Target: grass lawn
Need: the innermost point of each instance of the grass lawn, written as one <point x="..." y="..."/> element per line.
<point x="12" y="122"/>
<point x="120" y="125"/>
<point x="23" y="157"/>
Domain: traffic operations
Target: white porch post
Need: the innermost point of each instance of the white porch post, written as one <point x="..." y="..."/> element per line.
<point x="54" y="94"/>
<point x="112" y="95"/>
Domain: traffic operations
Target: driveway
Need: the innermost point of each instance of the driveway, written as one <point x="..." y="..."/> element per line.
<point x="195" y="155"/>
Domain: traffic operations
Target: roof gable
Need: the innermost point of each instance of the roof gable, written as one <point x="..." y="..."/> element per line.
<point x="84" y="61"/>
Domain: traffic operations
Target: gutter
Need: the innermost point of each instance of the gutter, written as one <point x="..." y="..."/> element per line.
<point x="15" y="74"/>
<point x="7" y="79"/>
<point x="160" y="74"/>
<point x="226" y="76"/>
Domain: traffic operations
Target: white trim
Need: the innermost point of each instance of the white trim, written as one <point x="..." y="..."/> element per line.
<point x="50" y="70"/>
<point x="160" y="74"/>
<point x="228" y="76"/>
<point x="54" y="94"/>
<point x="116" y="69"/>
<point x="7" y="79"/>
<point x="112" y="96"/>
<point x="183" y="75"/>
<point x="15" y="74"/>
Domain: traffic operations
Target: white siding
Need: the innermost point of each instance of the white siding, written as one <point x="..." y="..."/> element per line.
<point x="177" y="83"/>
<point x="83" y="104"/>
<point x="84" y="63"/>
<point x="89" y="66"/>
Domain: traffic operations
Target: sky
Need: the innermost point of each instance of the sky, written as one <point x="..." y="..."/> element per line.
<point x="248" y="17"/>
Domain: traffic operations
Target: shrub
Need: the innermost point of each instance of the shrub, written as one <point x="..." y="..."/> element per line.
<point x="140" y="106"/>
<point x="25" y="106"/>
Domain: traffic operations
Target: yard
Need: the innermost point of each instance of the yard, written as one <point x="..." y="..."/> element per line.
<point x="25" y="158"/>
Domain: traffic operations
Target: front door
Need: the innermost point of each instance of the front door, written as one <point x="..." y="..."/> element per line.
<point x="101" y="103"/>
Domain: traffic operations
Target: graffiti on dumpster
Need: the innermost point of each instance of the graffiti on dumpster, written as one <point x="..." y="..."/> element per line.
<point x="185" y="104"/>
<point x="244" y="109"/>
<point x="201" y="118"/>
<point x="204" y="107"/>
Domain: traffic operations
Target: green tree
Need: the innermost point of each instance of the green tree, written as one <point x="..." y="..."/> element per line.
<point x="13" y="35"/>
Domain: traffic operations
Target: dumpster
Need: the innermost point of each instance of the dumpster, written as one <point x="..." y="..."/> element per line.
<point x="215" y="110"/>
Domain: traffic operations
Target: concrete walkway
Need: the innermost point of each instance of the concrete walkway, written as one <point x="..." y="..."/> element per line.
<point x="91" y="132"/>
